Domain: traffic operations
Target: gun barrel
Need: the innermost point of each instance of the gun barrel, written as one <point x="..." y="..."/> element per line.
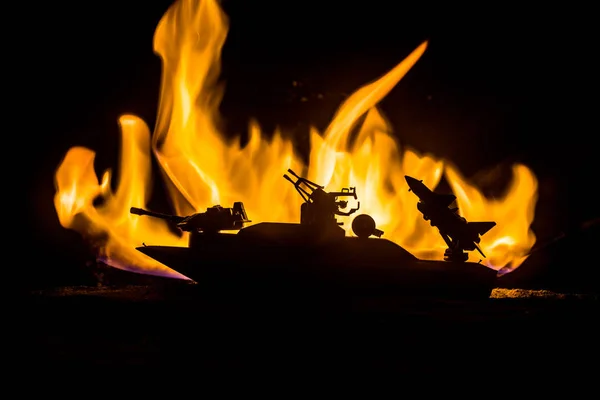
<point x="293" y="173"/>
<point x="289" y="179"/>
<point x="168" y="217"/>
<point x="344" y="194"/>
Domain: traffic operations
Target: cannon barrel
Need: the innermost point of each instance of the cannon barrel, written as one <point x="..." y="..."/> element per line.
<point x="168" y="217"/>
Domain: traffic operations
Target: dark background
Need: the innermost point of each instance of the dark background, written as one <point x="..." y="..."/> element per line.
<point x="497" y="84"/>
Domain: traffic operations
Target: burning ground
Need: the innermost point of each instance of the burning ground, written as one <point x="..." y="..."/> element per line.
<point x="201" y="168"/>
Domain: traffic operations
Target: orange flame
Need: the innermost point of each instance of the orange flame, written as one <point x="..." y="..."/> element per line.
<point x="202" y="169"/>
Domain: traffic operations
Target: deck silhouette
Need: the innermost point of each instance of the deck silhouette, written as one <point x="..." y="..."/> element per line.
<point x="312" y="257"/>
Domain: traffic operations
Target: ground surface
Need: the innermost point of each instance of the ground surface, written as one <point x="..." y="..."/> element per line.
<point x="166" y="327"/>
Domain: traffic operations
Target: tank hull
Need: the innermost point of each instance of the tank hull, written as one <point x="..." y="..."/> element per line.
<point x="289" y="259"/>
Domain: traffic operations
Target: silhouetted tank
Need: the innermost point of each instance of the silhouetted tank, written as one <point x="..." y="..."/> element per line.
<point x="312" y="256"/>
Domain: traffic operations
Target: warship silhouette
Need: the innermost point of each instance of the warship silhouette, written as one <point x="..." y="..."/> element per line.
<point x="312" y="256"/>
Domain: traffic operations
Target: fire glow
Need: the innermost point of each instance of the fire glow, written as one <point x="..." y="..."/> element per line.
<point x="201" y="168"/>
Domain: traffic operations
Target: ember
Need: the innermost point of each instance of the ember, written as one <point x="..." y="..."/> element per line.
<point x="203" y="169"/>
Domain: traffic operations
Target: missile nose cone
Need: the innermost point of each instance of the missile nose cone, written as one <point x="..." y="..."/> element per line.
<point x="410" y="180"/>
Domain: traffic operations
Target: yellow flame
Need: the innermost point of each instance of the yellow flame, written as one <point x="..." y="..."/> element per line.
<point x="203" y="169"/>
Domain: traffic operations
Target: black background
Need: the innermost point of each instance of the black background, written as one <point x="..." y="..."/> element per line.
<point x="497" y="84"/>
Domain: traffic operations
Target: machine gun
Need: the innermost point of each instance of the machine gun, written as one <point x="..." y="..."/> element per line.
<point x="321" y="207"/>
<point x="215" y="218"/>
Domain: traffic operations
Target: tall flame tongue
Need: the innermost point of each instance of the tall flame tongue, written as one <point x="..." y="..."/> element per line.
<point x="202" y="169"/>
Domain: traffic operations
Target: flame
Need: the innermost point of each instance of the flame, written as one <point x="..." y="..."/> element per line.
<point x="201" y="168"/>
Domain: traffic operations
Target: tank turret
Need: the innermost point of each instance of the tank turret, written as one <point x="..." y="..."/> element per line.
<point x="213" y="220"/>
